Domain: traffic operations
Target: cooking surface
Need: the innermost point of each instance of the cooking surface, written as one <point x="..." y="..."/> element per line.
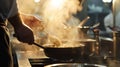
<point x="74" y="65"/>
<point x="41" y="62"/>
<point x="28" y="58"/>
<point x="24" y="58"/>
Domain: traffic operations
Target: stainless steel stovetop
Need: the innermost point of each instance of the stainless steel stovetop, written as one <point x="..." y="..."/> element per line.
<point x="38" y="59"/>
<point x="41" y="62"/>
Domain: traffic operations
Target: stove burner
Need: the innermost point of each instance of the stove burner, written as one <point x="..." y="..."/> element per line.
<point x="41" y="62"/>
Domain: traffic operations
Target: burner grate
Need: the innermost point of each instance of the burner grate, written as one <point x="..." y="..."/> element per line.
<point x="41" y="62"/>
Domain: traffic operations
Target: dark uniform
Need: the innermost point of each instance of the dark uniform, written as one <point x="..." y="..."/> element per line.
<point x="8" y="8"/>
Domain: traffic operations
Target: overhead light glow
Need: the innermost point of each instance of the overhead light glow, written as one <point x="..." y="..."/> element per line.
<point x="107" y="1"/>
<point x="36" y="1"/>
<point x="56" y="3"/>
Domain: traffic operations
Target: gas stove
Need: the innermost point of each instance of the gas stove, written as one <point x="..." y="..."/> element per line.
<point x="38" y="59"/>
<point x="41" y="62"/>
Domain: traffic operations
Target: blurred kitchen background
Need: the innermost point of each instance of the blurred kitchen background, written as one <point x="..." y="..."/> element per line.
<point x="97" y="10"/>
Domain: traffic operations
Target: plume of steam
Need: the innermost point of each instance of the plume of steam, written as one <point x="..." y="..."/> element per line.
<point x="57" y="12"/>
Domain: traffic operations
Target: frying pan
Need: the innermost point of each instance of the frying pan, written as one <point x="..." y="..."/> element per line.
<point x="63" y="52"/>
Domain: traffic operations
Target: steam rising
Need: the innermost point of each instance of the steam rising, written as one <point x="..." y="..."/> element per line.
<point x="56" y="13"/>
<point x="57" y="16"/>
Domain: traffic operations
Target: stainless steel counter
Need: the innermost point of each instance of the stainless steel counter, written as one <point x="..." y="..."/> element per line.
<point x="23" y="57"/>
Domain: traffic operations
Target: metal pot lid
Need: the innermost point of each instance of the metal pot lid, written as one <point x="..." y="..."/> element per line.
<point x="74" y="65"/>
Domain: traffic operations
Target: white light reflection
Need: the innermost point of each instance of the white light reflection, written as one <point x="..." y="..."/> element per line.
<point x="56" y="3"/>
<point x="36" y="1"/>
<point x="107" y="1"/>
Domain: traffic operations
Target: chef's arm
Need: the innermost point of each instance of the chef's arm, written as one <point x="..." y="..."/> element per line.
<point x="22" y="32"/>
<point x="16" y="21"/>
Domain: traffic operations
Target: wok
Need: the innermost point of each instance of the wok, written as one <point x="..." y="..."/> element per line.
<point x="63" y="52"/>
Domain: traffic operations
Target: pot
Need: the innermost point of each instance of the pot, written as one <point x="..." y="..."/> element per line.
<point x="74" y="65"/>
<point x="84" y="29"/>
<point x="63" y="52"/>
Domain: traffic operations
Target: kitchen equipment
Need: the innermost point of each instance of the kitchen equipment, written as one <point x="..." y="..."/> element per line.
<point x="95" y="25"/>
<point x="83" y="50"/>
<point x="74" y="65"/>
<point x="84" y="29"/>
<point x="63" y="52"/>
<point x="84" y="21"/>
<point x="41" y="62"/>
<point x="116" y="44"/>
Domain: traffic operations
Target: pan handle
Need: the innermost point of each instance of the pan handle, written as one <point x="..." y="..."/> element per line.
<point x="38" y="45"/>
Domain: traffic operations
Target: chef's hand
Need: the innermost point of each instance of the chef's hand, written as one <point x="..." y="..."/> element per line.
<point x="22" y="32"/>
